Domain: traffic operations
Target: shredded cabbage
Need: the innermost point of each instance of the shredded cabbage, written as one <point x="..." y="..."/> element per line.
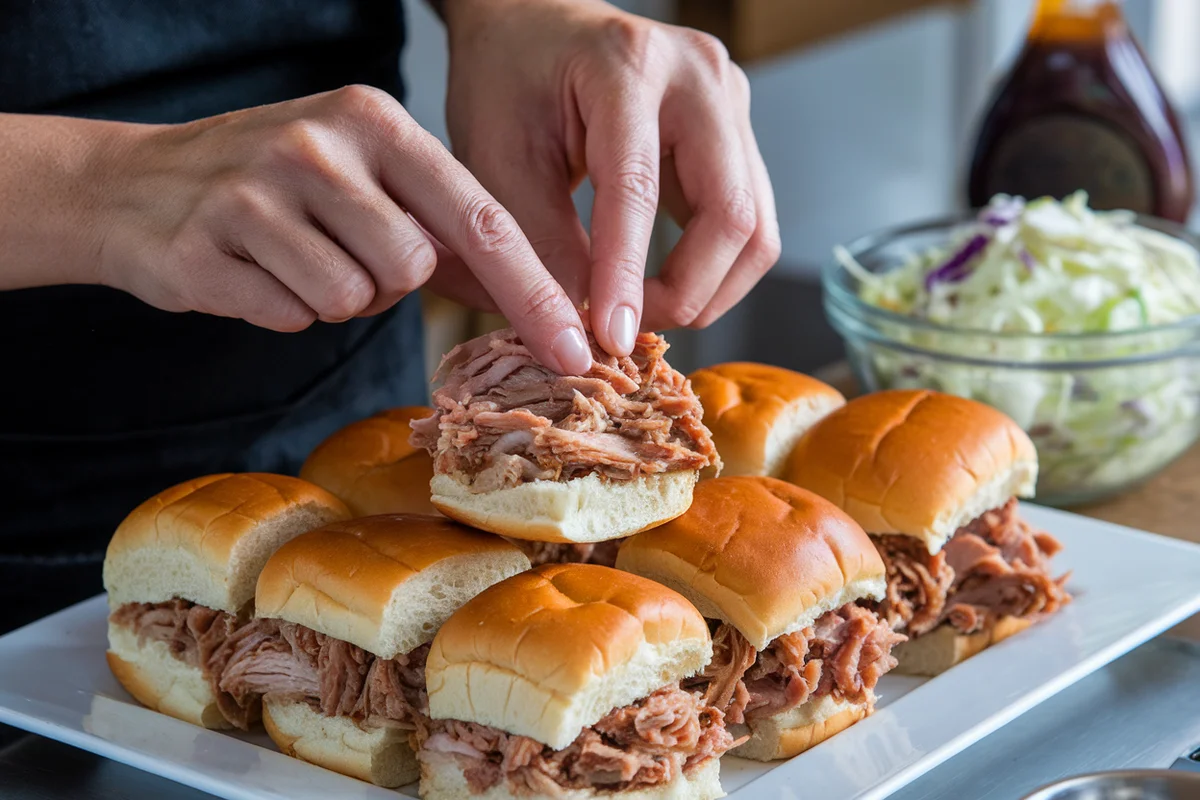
<point x="1024" y="269"/>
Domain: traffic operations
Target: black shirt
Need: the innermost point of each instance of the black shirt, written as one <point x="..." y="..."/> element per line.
<point x="104" y="400"/>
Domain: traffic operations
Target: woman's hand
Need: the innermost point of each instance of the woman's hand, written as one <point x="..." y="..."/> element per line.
<point x="543" y="92"/>
<point x="327" y="207"/>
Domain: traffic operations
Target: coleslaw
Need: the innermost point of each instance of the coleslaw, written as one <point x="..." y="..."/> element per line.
<point x="1061" y="316"/>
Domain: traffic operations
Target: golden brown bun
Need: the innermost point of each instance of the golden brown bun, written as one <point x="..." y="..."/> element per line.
<point x="158" y="680"/>
<point x="550" y="651"/>
<point x="372" y="467"/>
<point x="943" y="647"/>
<point x="918" y="463"/>
<point x="587" y="509"/>
<point x="761" y="554"/>
<point x="382" y="756"/>
<point x="757" y="412"/>
<point x="384" y="583"/>
<point x="207" y="539"/>
<point x="791" y="733"/>
<point x="442" y="779"/>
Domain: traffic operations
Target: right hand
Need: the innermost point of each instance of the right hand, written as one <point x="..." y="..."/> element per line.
<point x="326" y="207"/>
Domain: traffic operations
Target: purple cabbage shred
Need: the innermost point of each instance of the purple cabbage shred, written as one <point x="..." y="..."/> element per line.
<point x="956" y="268"/>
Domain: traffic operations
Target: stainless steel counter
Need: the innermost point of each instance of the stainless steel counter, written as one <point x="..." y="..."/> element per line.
<point x="1143" y="710"/>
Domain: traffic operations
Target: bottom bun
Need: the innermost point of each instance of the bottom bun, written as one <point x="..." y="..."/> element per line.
<point x="442" y="779"/>
<point x="792" y="732"/>
<point x="159" y="680"/>
<point x="942" y="648"/>
<point x="588" y="509"/>
<point x="382" y="756"/>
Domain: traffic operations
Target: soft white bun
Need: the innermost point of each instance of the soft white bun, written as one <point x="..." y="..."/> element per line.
<point x="550" y="651"/>
<point x="371" y="466"/>
<point x="918" y="463"/>
<point x="384" y="583"/>
<point x="792" y="732"/>
<point x="763" y="555"/>
<point x="382" y="756"/>
<point x="207" y="539"/>
<point x="588" y="509"/>
<point x="442" y="779"/>
<point x="160" y="681"/>
<point x="758" y="412"/>
<point x="943" y="647"/>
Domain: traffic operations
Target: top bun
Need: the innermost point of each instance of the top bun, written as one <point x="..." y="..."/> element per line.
<point x="763" y="555"/>
<point x="207" y="539"/>
<point x="917" y="463"/>
<point x="383" y="583"/>
<point x="372" y="467"/>
<point x="757" y="412"/>
<point x="550" y="651"/>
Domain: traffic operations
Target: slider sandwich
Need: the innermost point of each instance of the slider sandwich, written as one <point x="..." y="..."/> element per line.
<point x="371" y="466"/>
<point x="781" y="575"/>
<point x="345" y="615"/>
<point x="758" y="412"/>
<point x="934" y="479"/>
<point x="563" y="462"/>
<point x="180" y="573"/>
<point x="565" y="682"/>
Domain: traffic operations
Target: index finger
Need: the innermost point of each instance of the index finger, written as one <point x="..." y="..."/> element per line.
<point x="446" y="199"/>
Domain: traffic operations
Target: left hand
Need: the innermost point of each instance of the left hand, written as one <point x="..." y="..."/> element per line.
<point x="544" y="92"/>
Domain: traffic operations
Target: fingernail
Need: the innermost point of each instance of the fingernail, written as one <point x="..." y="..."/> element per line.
<point x="622" y="329"/>
<point x="572" y="352"/>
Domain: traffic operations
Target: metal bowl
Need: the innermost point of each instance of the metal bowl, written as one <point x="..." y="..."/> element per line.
<point x="1134" y="784"/>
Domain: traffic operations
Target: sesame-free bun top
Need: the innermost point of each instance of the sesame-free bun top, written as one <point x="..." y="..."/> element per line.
<point x="915" y="462"/>
<point x="763" y="555"/>
<point x="384" y="583"/>
<point x="757" y="412"/>
<point x="205" y="540"/>
<point x="371" y="466"/>
<point x="552" y="650"/>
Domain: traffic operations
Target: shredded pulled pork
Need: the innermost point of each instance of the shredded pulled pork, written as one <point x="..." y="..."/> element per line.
<point x="602" y="553"/>
<point x="336" y="677"/>
<point x="647" y="743"/>
<point x="504" y="419"/>
<point x="843" y="654"/>
<point x="1001" y="569"/>
<point x="994" y="566"/>
<point x="202" y="637"/>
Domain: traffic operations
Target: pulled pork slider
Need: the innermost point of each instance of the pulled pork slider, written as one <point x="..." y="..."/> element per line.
<point x="345" y="615"/>
<point x="180" y="574"/>
<point x="778" y="571"/>
<point x="933" y="479"/>
<point x="758" y="412"/>
<point x="564" y="682"/>
<point x="524" y="452"/>
<point x="371" y="466"/>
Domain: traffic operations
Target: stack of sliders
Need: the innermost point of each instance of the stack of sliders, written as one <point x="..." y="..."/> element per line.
<point x="180" y="573"/>
<point x="568" y="465"/>
<point x="371" y="466"/>
<point x="934" y="479"/>
<point x="344" y="617"/>
<point x="758" y="412"/>
<point x="565" y="682"/>
<point x="781" y="574"/>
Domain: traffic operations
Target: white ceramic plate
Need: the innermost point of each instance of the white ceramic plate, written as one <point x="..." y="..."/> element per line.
<point x="1128" y="587"/>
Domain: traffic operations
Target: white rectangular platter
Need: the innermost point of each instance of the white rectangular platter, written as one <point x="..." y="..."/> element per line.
<point x="1128" y="586"/>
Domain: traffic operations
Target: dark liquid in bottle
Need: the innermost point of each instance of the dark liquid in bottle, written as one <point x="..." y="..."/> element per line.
<point x="1082" y="110"/>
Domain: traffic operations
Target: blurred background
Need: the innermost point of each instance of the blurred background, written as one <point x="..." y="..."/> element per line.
<point x="865" y="111"/>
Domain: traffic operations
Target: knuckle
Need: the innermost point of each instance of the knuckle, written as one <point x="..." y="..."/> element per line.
<point x="740" y="81"/>
<point x="684" y="312"/>
<point x="637" y="181"/>
<point x="303" y="144"/>
<point x="766" y="248"/>
<point x="376" y="110"/>
<point x="291" y="318"/>
<point x="539" y="300"/>
<point x="704" y="320"/>
<point x="346" y="297"/>
<point x="417" y="263"/>
<point x="241" y="200"/>
<point x="709" y="51"/>
<point x="490" y="229"/>
<point x="740" y="214"/>
<point x="635" y="42"/>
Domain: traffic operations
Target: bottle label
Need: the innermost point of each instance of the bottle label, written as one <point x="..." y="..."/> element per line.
<point x="1057" y="154"/>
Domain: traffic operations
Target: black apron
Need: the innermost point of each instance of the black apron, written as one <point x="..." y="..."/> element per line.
<point x="105" y="401"/>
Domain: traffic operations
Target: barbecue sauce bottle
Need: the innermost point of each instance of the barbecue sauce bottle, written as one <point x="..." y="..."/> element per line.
<point x="1082" y="110"/>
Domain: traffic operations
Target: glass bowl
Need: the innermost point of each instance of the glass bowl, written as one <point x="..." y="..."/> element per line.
<point x="1105" y="410"/>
